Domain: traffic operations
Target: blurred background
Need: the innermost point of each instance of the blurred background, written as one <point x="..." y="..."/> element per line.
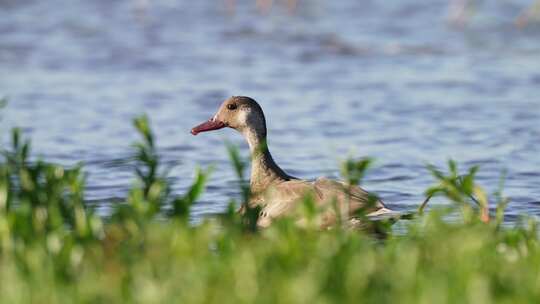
<point x="406" y="82"/>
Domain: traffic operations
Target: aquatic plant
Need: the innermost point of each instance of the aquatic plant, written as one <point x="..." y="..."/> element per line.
<point x="54" y="249"/>
<point x="151" y="195"/>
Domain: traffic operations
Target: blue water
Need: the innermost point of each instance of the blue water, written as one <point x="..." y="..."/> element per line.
<point x="393" y="81"/>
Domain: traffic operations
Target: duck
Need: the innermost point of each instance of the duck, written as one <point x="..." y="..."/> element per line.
<point x="278" y="194"/>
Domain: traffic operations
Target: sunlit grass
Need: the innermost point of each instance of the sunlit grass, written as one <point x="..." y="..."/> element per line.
<point x="53" y="249"/>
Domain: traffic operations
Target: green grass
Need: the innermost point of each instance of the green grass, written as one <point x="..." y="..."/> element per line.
<point x="53" y="249"/>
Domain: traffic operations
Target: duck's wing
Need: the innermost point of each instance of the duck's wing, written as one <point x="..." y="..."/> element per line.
<point x="283" y="198"/>
<point x="354" y="196"/>
<point x="357" y="199"/>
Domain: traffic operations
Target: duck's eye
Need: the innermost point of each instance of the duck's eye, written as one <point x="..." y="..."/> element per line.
<point x="231" y="106"/>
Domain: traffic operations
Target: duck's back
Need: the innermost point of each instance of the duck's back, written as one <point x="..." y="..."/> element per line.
<point x="353" y="196"/>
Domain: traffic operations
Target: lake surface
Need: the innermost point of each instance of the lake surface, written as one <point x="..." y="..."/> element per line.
<point x="392" y="81"/>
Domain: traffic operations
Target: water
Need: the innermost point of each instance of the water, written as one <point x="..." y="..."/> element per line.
<point x="337" y="78"/>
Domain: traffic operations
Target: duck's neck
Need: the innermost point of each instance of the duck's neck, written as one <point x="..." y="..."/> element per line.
<point x="264" y="170"/>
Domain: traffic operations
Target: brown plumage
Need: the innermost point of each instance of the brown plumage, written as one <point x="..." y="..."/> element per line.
<point x="275" y="191"/>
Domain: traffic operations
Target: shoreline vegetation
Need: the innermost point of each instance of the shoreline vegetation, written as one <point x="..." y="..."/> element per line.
<point x="54" y="249"/>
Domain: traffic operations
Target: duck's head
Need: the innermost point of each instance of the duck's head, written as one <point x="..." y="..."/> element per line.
<point x="238" y="112"/>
